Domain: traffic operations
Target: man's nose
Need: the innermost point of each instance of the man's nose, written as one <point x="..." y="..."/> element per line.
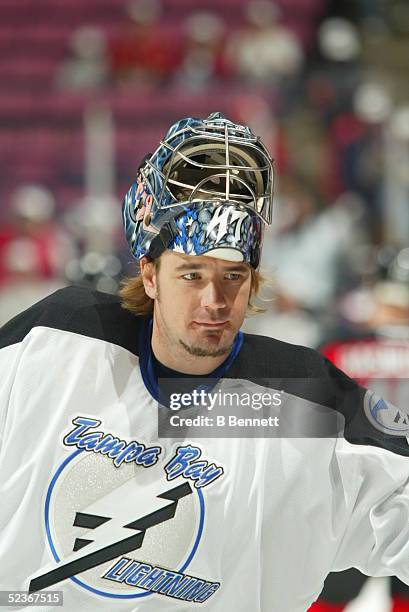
<point x="213" y="296"/>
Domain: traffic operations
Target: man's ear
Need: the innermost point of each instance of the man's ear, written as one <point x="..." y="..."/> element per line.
<point x="148" y="274"/>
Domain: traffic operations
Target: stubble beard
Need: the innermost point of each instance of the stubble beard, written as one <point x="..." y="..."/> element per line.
<point x="198" y="351"/>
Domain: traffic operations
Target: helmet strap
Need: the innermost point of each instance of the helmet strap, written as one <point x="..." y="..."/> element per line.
<point x="162" y="240"/>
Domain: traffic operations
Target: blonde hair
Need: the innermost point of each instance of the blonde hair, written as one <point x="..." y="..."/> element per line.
<point x="133" y="296"/>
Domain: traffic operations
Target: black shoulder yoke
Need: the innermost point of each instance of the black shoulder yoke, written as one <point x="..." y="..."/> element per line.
<point x="79" y="310"/>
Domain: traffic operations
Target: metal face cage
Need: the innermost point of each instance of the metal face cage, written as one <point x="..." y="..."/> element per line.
<point x="212" y="160"/>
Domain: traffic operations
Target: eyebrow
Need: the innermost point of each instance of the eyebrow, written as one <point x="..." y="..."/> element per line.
<point x="197" y="266"/>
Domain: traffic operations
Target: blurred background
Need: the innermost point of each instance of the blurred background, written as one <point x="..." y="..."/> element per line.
<point x="87" y="89"/>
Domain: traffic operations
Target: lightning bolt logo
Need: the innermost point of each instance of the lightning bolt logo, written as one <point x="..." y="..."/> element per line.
<point x="108" y="537"/>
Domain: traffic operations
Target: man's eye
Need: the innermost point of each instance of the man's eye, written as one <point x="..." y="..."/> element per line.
<point x="191" y="276"/>
<point x="233" y="276"/>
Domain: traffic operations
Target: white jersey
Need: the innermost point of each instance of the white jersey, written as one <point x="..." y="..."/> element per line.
<point x="96" y="505"/>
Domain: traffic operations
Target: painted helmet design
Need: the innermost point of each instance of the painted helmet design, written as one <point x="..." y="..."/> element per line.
<point x="206" y="190"/>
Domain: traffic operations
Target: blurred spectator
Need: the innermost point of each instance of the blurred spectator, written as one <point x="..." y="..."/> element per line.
<point x="338" y="40"/>
<point x="396" y="179"/>
<point x="96" y="227"/>
<point x="264" y="51"/>
<point x="379" y="306"/>
<point x="35" y="246"/>
<point x="356" y="107"/>
<point x="356" y="155"/>
<point x="34" y="251"/>
<point x="87" y="67"/>
<point x="311" y="244"/>
<point x="143" y="53"/>
<point x="307" y="256"/>
<point x="202" y="61"/>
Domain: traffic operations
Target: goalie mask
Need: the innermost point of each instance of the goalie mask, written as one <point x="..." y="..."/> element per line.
<point x="206" y="190"/>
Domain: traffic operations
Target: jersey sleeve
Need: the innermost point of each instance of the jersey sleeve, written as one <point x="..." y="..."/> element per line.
<point x="9" y="359"/>
<point x="53" y="311"/>
<point x="373" y="495"/>
<point x="369" y="473"/>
